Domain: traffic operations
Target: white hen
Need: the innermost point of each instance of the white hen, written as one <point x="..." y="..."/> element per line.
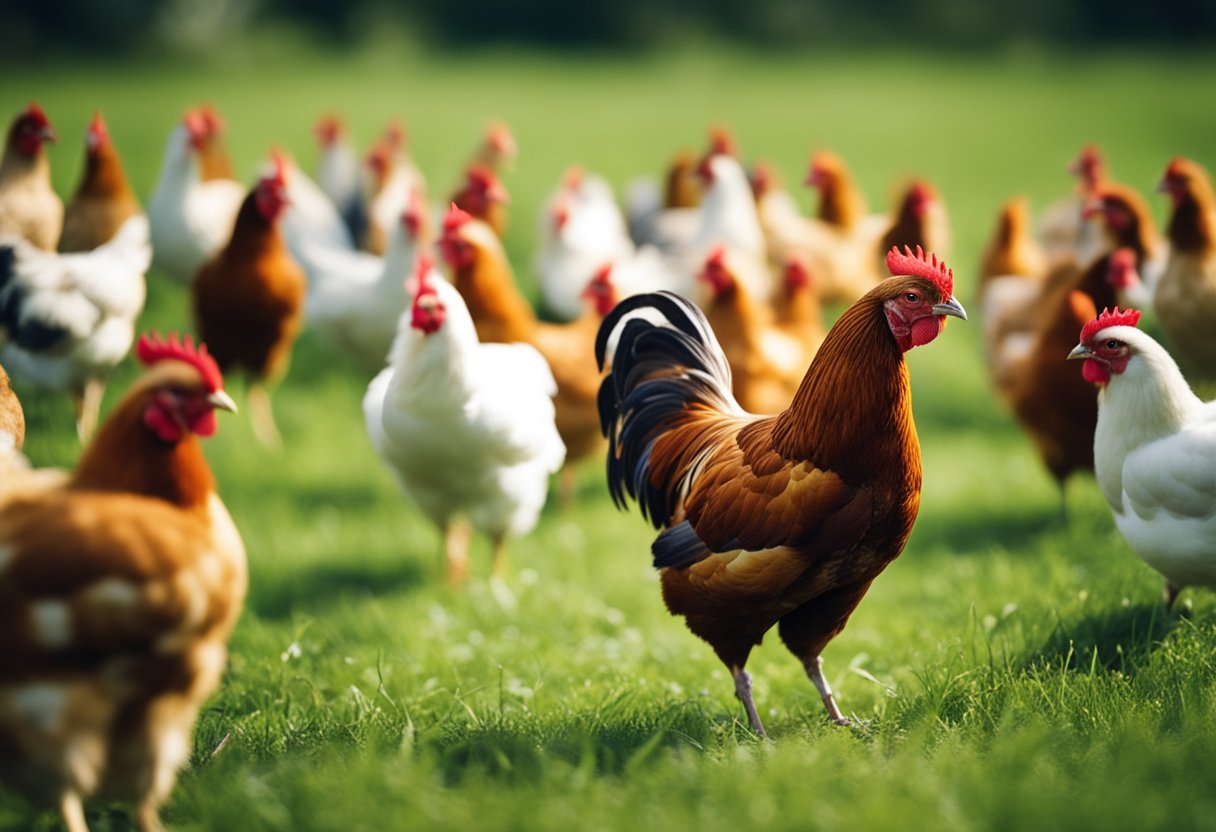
<point x="190" y="220"/>
<point x="66" y="320"/>
<point x="1154" y="451"/>
<point x="466" y="427"/>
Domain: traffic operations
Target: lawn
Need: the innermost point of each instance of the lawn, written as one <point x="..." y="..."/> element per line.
<point x="1013" y="669"/>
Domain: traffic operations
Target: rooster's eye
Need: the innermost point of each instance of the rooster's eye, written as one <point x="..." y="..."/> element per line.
<point x="1112" y="344"/>
<point x="912" y="297"/>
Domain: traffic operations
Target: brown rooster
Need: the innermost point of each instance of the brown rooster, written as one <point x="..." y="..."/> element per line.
<point x="249" y="300"/>
<point x="213" y="159"/>
<point x="29" y="205"/>
<point x="783" y="519"/>
<point x="484" y="198"/>
<point x="919" y="219"/>
<point x="1185" y="300"/>
<point x="482" y="274"/>
<point x="120" y="588"/>
<point x="103" y="200"/>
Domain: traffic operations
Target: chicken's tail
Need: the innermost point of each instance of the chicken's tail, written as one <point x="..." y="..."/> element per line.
<point x="665" y="365"/>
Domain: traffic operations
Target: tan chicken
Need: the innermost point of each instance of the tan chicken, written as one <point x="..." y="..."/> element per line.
<point x="120" y="589"/>
<point x="103" y="200"/>
<point x="796" y="309"/>
<point x="29" y="206"/>
<point x="213" y="159"/>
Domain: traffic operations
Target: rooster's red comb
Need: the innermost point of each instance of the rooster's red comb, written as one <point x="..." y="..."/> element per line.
<point x="574" y="177"/>
<point x="716" y="259"/>
<point x="455" y="218"/>
<point x="721" y="141"/>
<point x="1128" y="317"/>
<point x="152" y="349"/>
<point x="922" y="264"/>
<point x="36" y="112"/>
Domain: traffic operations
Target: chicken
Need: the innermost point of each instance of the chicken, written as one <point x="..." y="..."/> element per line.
<point x="466" y="427"/>
<point x="483" y="276"/>
<point x="1185" y="298"/>
<point x="340" y="175"/>
<point x="214" y="161"/>
<point x="1154" y="450"/>
<point x="1063" y="229"/>
<point x="766" y="364"/>
<point x="249" y="299"/>
<point x="1119" y="218"/>
<point x="483" y="197"/>
<point x="66" y="320"/>
<point x="29" y="205"/>
<point x="796" y="310"/>
<point x="393" y="178"/>
<point x="311" y="217"/>
<point x="919" y="220"/>
<point x="498" y="149"/>
<point x="362" y="318"/>
<point x="103" y="200"/>
<point x="12" y="416"/>
<point x="191" y="219"/>
<point x="783" y="519"/>
<point x="120" y="590"/>
<point x="1012" y="249"/>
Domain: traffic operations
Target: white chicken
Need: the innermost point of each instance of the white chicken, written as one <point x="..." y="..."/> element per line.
<point x="66" y="320"/>
<point x="190" y="220"/>
<point x="1154" y="451"/>
<point x="467" y="428"/>
<point x="340" y="175"/>
<point x="394" y="176"/>
<point x="311" y="214"/>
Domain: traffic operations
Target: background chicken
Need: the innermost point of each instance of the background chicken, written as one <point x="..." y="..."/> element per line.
<point x="796" y="309"/>
<point x="919" y="219"/>
<point x="340" y="175"/>
<point x="1185" y="298"/>
<point x="394" y="176"/>
<point x="1062" y="228"/>
<point x="66" y="320"/>
<point x="103" y="200"/>
<point x="120" y="589"/>
<point x="191" y="219"/>
<point x="782" y="519"/>
<point x="214" y="160"/>
<point x="1154" y="450"/>
<point x="466" y="427"/>
<point x="29" y="205"/>
<point x="249" y="300"/>
<point x="483" y="196"/>
<point x="12" y="416"/>
<point x="498" y="149"/>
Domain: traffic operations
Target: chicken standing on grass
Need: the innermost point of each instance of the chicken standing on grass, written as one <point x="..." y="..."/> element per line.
<point x="1154" y="450"/>
<point x="103" y="200"/>
<point x="781" y="519"/>
<point x="466" y="427"/>
<point x="249" y="299"/>
<point x="120" y="588"/>
<point x="29" y="205"/>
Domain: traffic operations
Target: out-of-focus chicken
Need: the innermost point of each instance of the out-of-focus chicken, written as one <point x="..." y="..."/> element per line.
<point x="1154" y="450"/>
<point x="249" y="300"/>
<point x="466" y="427"/>
<point x="1120" y="218"/>
<point x="766" y="364"/>
<point x="66" y="320"/>
<point x="190" y="219"/>
<point x="796" y="309"/>
<point x="483" y="197"/>
<point x="483" y="276"/>
<point x="1012" y="249"/>
<point x="214" y="162"/>
<point x="1185" y="298"/>
<point x="1063" y="229"/>
<point x="394" y="176"/>
<point x="919" y="219"/>
<point x="783" y="519"/>
<point x="120" y="590"/>
<point x="103" y="200"/>
<point x="12" y="416"/>
<point x="29" y="205"/>
<point x="340" y="175"/>
<point x="311" y="217"/>
<point x="498" y="149"/>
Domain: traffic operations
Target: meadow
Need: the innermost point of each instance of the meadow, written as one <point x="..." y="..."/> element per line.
<point x="1013" y="669"/>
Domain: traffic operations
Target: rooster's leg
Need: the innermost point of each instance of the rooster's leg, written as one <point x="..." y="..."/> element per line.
<point x="814" y="669"/>
<point x="743" y="690"/>
<point x="456" y="551"/>
<point x="72" y="811"/>
<point x="262" y="417"/>
<point x="1171" y="594"/>
<point x="88" y="405"/>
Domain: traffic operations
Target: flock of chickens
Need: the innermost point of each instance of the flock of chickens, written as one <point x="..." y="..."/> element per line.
<point x="684" y="339"/>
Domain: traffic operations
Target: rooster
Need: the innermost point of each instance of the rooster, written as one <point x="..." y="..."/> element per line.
<point x="1154" y="450"/>
<point x="483" y="197"/>
<point x="1185" y="299"/>
<point x="29" y="205"/>
<point x="103" y="200"/>
<point x="783" y="519"/>
<point x="66" y="320"/>
<point x="191" y="219"/>
<point x="340" y="175"/>
<point x="120" y="587"/>
<point x="466" y="427"/>
<point x="249" y="299"/>
<point x="1119" y="218"/>
<point x="1063" y="229"/>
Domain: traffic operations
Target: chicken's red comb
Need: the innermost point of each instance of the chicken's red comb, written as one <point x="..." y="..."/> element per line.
<point x="97" y="132"/>
<point x="328" y="127"/>
<point x="498" y="134"/>
<point x="422" y="268"/>
<point x="721" y="141"/>
<point x="1128" y="317"/>
<point x="1177" y="168"/>
<point x="36" y="112"/>
<point x="454" y="219"/>
<point x="574" y="177"/>
<point x="797" y="271"/>
<point x="922" y="264"/>
<point x="195" y="123"/>
<point x="211" y="118"/>
<point x="716" y="258"/>
<point x="395" y="134"/>
<point x="152" y="349"/>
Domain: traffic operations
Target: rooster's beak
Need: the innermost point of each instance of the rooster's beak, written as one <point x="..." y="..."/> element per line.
<point x="221" y="400"/>
<point x="1080" y="351"/>
<point x="950" y="307"/>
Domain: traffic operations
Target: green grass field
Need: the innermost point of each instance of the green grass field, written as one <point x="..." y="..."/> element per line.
<point x="1010" y="671"/>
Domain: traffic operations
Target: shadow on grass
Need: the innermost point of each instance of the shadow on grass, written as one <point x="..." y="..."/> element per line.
<point x="1117" y="639"/>
<point x="1014" y="528"/>
<point x="315" y="589"/>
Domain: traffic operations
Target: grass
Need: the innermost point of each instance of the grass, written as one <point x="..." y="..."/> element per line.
<point x="1010" y="670"/>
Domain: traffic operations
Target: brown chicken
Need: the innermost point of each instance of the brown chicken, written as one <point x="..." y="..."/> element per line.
<point x="249" y="300"/>
<point x="783" y="519"/>
<point x="1185" y="299"/>
<point x="1062" y="227"/>
<point x="482" y="274"/>
<point x="1012" y="249"/>
<point x="498" y="149"/>
<point x="841" y="202"/>
<point x="484" y="198"/>
<point x="12" y="416"/>
<point x="213" y="159"/>
<point x="29" y="205"/>
<point x="120" y="588"/>
<point x="103" y="200"/>
<point x="796" y="309"/>
<point x="919" y="219"/>
<point x="766" y="364"/>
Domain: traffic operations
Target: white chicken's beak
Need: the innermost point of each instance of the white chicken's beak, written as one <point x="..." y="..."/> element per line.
<point x="1080" y="351"/>
<point x="222" y="401"/>
<point x="950" y="307"/>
